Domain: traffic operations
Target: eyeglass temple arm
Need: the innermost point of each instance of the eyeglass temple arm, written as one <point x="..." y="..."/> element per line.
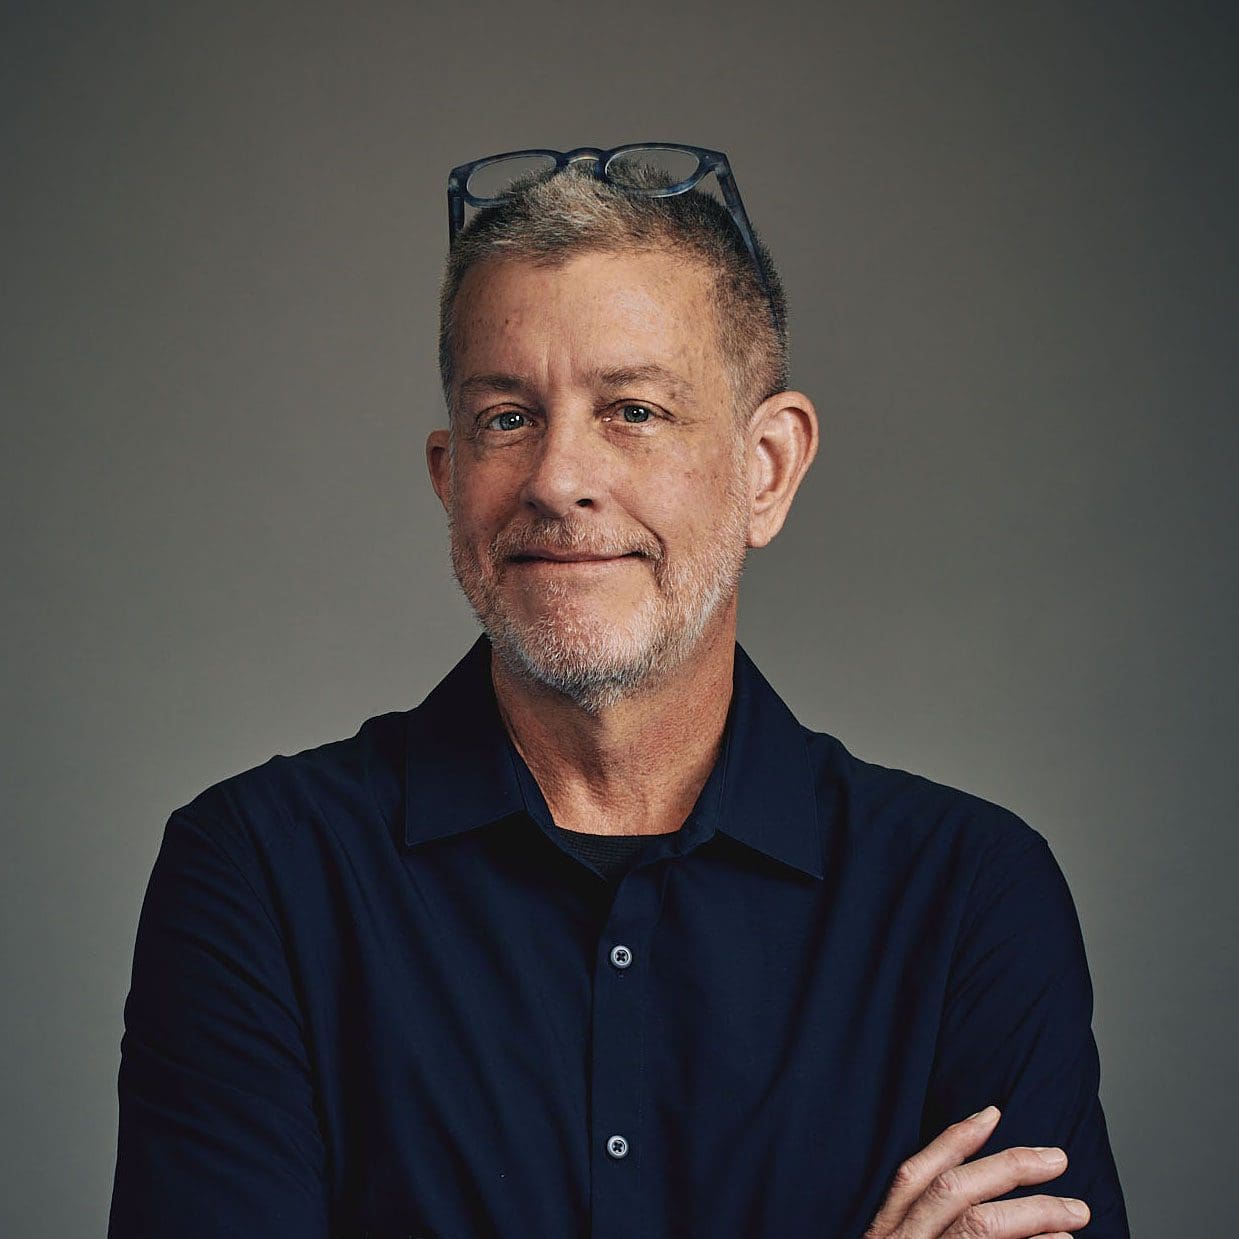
<point x="455" y="208"/>
<point x="731" y="195"/>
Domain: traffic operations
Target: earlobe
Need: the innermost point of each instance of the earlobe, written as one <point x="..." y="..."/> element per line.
<point x="761" y="479"/>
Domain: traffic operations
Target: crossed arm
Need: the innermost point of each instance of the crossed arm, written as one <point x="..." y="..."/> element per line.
<point x="219" y="1131"/>
<point x="1016" y="1031"/>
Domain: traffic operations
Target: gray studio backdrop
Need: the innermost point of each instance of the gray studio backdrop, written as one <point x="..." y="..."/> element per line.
<point x="1009" y="241"/>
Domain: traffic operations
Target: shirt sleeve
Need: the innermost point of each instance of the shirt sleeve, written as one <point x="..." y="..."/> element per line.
<point x="1016" y="1029"/>
<point x="218" y="1132"/>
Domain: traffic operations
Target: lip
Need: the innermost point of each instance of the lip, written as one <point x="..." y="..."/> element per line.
<point x="568" y="557"/>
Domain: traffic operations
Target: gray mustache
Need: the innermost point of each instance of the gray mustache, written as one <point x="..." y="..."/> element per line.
<point x="558" y="537"/>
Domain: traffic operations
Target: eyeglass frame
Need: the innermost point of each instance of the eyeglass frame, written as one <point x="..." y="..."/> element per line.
<point x="600" y="160"/>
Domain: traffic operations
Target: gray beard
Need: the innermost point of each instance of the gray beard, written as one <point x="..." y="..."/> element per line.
<point x="597" y="685"/>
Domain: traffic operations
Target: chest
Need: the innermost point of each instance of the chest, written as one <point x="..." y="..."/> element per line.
<point x="708" y="1050"/>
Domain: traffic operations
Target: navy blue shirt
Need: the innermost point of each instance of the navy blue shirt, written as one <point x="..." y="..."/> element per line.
<point x="375" y="993"/>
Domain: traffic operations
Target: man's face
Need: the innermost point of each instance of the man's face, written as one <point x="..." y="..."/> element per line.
<point x="596" y="485"/>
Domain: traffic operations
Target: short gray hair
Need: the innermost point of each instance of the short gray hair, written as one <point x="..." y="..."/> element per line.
<point x="549" y="219"/>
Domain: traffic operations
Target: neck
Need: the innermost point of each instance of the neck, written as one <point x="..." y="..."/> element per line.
<point x="635" y="767"/>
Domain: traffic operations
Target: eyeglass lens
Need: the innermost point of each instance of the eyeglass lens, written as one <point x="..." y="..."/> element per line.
<point x="493" y="180"/>
<point x="626" y="167"/>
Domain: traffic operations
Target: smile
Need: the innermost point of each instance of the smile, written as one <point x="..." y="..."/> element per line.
<point x="554" y="556"/>
<point x="574" y="563"/>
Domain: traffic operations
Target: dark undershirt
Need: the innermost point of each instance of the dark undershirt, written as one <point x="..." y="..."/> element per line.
<point x="610" y="855"/>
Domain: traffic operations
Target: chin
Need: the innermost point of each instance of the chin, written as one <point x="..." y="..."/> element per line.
<point x="596" y="663"/>
<point x="595" y="652"/>
<point x="592" y="678"/>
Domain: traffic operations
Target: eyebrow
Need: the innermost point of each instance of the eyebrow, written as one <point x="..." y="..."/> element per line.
<point x="496" y="382"/>
<point x="648" y="372"/>
<point x="616" y="376"/>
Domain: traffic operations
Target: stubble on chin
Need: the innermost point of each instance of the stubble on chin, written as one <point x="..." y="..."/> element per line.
<point x="564" y="647"/>
<point x="567" y="649"/>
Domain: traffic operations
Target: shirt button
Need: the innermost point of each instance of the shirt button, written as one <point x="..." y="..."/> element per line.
<point x="617" y="1146"/>
<point x="621" y="957"/>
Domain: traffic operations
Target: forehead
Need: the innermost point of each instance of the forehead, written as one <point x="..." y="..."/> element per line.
<point x="592" y="315"/>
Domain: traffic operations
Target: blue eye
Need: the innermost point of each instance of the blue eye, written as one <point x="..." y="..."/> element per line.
<point x="509" y="419"/>
<point x="643" y="413"/>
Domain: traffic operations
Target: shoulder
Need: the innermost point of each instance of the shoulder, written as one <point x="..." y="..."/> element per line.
<point x="872" y="808"/>
<point x="959" y="865"/>
<point x="354" y="778"/>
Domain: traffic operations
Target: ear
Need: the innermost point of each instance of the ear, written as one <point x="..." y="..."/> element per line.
<point x="439" y="462"/>
<point x="782" y="439"/>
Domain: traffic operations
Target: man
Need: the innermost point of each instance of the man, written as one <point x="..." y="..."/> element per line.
<point x="599" y="940"/>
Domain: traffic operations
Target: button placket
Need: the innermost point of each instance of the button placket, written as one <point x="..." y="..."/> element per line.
<point x="618" y="1085"/>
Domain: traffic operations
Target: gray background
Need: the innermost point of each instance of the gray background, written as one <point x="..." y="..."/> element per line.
<point x="1009" y="241"/>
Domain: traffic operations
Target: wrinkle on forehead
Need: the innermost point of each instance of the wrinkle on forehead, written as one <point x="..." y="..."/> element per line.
<point x="652" y="321"/>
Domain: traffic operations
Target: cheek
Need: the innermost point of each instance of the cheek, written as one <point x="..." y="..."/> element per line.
<point x="691" y="501"/>
<point x="481" y="498"/>
<point x="675" y="509"/>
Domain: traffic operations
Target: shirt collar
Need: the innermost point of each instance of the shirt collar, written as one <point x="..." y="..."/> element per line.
<point x="462" y="770"/>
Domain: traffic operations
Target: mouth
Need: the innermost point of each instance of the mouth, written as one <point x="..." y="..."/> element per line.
<point x="569" y="559"/>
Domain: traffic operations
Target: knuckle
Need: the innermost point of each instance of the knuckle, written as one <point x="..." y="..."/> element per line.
<point x="1028" y="1161"/>
<point x="1024" y="1161"/>
<point x="975" y="1223"/>
<point x="907" y="1174"/>
<point x="945" y="1187"/>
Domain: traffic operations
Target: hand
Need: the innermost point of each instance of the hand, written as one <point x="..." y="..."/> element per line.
<point x="935" y="1196"/>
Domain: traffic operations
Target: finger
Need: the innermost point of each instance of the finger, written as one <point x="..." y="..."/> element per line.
<point x="1016" y="1219"/>
<point x="950" y="1148"/>
<point x="957" y="1189"/>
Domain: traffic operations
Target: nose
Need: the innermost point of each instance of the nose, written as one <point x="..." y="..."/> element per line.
<point x="567" y="471"/>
